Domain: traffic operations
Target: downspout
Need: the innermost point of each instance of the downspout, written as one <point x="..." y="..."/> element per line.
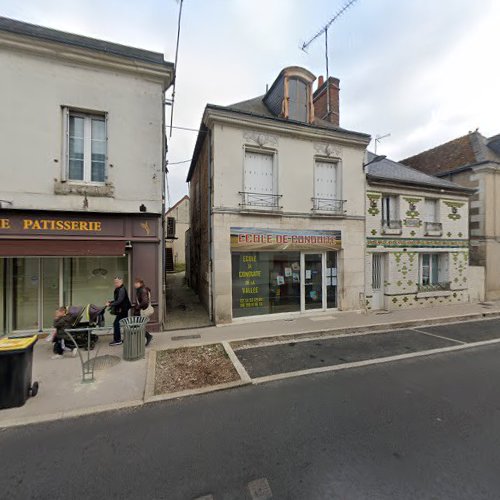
<point x="163" y="284"/>
<point x="209" y="229"/>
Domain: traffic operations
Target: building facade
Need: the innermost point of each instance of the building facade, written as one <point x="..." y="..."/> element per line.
<point x="82" y="170"/>
<point x="277" y="204"/>
<point x="473" y="161"/>
<point x="416" y="238"/>
<point x="177" y="225"/>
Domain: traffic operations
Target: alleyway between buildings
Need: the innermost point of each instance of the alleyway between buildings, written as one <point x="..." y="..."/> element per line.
<point x="184" y="309"/>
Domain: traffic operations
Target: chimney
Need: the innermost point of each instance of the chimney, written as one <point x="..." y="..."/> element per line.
<point x="320" y="100"/>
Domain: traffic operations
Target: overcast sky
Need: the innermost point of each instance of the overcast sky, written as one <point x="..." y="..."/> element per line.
<point x="424" y="71"/>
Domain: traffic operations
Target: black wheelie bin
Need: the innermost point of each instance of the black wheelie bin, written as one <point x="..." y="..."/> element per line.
<point x="16" y="361"/>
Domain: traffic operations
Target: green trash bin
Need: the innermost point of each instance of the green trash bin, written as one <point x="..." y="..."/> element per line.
<point x="16" y="361"/>
<point x="134" y="337"/>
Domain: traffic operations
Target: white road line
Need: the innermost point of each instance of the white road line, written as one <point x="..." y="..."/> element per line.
<point x="439" y="336"/>
<point x="368" y="362"/>
<point x="245" y="377"/>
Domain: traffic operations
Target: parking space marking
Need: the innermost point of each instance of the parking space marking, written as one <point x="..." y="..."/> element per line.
<point x="438" y="336"/>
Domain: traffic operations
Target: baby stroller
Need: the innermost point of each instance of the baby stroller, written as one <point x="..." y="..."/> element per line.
<point x="82" y="317"/>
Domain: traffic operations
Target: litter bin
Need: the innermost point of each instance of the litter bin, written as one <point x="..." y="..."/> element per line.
<point x="134" y="337"/>
<point x="16" y="361"/>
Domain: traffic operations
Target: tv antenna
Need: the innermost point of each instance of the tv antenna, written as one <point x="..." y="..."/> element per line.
<point x="324" y="30"/>
<point x="378" y="138"/>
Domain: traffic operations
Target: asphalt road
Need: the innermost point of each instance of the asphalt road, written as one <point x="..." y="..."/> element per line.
<point x="425" y="428"/>
<point x="294" y="356"/>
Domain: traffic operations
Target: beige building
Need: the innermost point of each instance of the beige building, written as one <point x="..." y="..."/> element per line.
<point x="277" y="204"/>
<point x="473" y="161"/>
<point x="416" y="237"/>
<point x="177" y="224"/>
<point x="82" y="169"/>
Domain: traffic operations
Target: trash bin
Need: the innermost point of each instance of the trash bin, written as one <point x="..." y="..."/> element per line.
<point x="16" y="361"/>
<point x="134" y="337"/>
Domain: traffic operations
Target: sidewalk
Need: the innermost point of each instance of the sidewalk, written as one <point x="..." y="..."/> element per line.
<point x="122" y="385"/>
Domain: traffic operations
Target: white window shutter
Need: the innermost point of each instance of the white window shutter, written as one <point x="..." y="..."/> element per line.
<point x="393" y="208"/>
<point x="325" y="180"/>
<point x="65" y="146"/>
<point x="258" y="173"/>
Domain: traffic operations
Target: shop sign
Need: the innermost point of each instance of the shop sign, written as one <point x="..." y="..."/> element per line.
<point x="243" y="238"/>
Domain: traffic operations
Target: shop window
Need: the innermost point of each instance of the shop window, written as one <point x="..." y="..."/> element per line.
<point x="433" y="271"/>
<point x="86" y="147"/>
<point x="259" y="185"/>
<point x="298" y="105"/>
<point x="265" y="283"/>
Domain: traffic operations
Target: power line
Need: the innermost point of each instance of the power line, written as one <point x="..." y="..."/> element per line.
<point x="175" y="65"/>
<point x="178" y="162"/>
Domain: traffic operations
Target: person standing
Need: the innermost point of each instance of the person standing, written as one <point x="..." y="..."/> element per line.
<point x="142" y="306"/>
<point x="119" y="306"/>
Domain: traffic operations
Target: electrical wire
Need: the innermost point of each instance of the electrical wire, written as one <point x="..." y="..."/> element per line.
<point x="178" y="162"/>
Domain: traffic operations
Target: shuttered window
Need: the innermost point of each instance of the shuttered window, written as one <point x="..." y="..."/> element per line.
<point x="431" y="211"/>
<point x="297" y="100"/>
<point x="389" y="210"/>
<point x="259" y="173"/>
<point x="325" y="181"/>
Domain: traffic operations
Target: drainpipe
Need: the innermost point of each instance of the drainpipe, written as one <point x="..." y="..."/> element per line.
<point x="163" y="317"/>
<point x="209" y="229"/>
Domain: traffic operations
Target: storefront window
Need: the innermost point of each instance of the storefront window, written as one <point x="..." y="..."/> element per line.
<point x="89" y="280"/>
<point x="3" y="329"/>
<point x="265" y="283"/>
<point x="26" y="283"/>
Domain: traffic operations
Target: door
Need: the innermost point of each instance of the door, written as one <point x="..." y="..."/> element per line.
<point x="313" y="283"/>
<point x="378" y="280"/>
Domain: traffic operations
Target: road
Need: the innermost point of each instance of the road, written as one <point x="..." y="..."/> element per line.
<point x="425" y="428"/>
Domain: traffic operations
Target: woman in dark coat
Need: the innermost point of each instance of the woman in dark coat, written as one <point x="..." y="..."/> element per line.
<point x="120" y="306"/>
<point x="143" y="302"/>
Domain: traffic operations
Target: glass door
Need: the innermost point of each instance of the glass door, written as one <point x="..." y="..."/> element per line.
<point x="26" y="288"/>
<point x="313" y="281"/>
<point x="49" y="290"/>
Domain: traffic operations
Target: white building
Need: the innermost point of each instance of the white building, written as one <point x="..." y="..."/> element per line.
<point x="277" y="204"/>
<point x="417" y="237"/>
<point x="177" y="225"/>
<point x="82" y="169"/>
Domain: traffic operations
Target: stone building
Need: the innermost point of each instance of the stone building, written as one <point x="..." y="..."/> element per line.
<point x="473" y="161"/>
<point x="177" y="224"/>
<point x="416" y="237"/>
<point x="82" y="166"/>
<point x="277" y="204"/>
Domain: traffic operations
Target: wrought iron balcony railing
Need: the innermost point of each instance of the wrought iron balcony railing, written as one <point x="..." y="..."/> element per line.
<point x="263" y="201"/>
<point x="435" y="287"/>
<point x="328" y="205"/>
<point x="433" y="227"/>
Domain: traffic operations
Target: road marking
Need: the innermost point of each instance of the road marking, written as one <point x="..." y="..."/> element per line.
<point x="260" y="489"/>
<point x="245" y="377"/>
<point x="368" y="362"/>
<point x="439" y="336"/>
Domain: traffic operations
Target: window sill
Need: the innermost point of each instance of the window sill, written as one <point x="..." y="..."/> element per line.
<point x="436" y="293"/>
<point x="261" y="211"/>
<point x="434" y="233"/>
<point x="392" y="232"/>
<point x="81" y="188"/>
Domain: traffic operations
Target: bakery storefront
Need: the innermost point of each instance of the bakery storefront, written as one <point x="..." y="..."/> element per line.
<point x="282" y="271"/>
<point x="50" y="259"/>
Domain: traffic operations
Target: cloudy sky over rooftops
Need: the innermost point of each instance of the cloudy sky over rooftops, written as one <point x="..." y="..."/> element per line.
<point x="424" y="71"/>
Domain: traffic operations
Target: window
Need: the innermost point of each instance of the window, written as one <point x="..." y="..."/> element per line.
<point x="431" y="210"/>
<point x="259" y="185"/>
<point x="390" y="212"/>
<point x="297" y="100"/>
<point x="170" y="227"/>
<point x="326" y="187"/>
<point x="433" y="269"/>
<point x="86" y="147"/>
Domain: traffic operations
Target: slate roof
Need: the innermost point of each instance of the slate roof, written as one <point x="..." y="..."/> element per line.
<point x="257" y="107"/>
<point x="387" y="170"/>
<point x="463" y="152"/>
<point x="8" y="25"/>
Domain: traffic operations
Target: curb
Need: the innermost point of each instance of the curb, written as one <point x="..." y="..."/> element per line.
<point x="373" y="328"/>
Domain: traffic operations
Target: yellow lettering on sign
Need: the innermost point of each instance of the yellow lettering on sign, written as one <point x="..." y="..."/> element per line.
<point x="27" y="223"/>
<point x="4" y="224"/>
<point x="55" y="225"/>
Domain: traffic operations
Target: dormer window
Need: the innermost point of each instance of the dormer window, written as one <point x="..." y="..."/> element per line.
<point x="298" y="100"/>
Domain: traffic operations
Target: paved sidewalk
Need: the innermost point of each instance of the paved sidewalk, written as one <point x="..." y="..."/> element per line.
<point x="62" y="394"/>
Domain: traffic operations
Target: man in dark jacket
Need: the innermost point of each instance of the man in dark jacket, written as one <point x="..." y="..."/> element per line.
<point x="120" y="306"/>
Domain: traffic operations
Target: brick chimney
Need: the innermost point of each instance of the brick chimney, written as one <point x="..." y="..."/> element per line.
<point x="320" y="100"/>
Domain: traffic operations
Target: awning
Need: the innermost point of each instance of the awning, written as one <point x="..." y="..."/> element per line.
<point x="61" y="248"/>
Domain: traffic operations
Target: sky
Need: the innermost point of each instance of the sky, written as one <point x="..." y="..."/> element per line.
<point x="423" y="71"/>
